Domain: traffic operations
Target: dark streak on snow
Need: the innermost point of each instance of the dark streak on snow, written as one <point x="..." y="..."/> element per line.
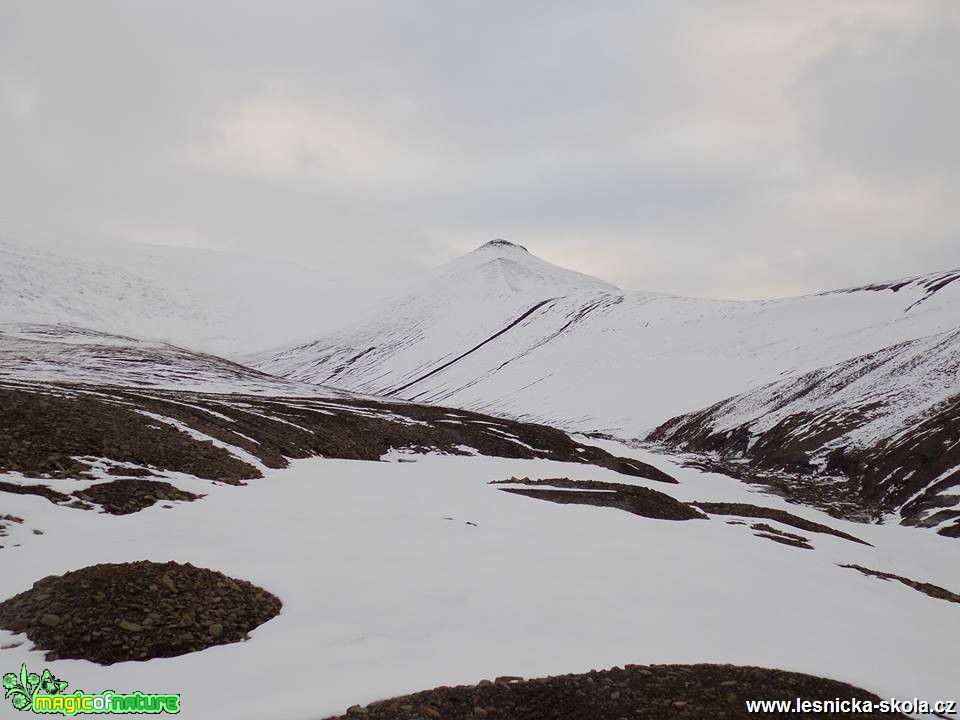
<point x="476" y="347"/>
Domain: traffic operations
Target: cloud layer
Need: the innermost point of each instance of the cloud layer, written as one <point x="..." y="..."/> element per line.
<point x="742" y="149"/>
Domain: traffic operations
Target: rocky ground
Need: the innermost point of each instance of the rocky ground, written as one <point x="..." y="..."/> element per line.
<point x="136" y="611"/>
<point x="858" y="439"/>
<point x="130" y="495"/>
<point x="632" y="498"/>
<point x="657" y="692"/>
<point x="930" y="589"/>
<point x="51" y="430"/>
<point x="649" y="503"/>
<point x="782" y="516"/>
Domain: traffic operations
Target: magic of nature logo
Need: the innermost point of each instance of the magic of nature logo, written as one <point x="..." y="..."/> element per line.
<point x="45" y="694"/>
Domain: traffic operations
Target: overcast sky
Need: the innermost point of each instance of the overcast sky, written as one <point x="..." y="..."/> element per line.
<point x="728" y="149"/>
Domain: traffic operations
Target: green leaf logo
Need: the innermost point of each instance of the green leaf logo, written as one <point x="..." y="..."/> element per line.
<point x="21" y="689"/>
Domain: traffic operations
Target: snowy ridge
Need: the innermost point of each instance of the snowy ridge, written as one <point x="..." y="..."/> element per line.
<point x="502" y="331"/>
<point x="47" y="285"/>
<point x="31" y="353"/>
<point x="886" y="390"/>
<point x="466" y="304"/>
<point x="202" y="299"/>
<point x="888" y="420"/>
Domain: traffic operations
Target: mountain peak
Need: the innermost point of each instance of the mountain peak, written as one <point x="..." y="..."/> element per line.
<point x="501" y="244"/>
<point x="501" y="263"/>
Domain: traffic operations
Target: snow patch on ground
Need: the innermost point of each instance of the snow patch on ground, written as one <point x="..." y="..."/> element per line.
<point x="384" y="595"/>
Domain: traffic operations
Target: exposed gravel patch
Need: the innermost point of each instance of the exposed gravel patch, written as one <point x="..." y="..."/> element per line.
<point x="784" y="540"/>
<point x="40" y="432"/>
<point x="125" y="496"/>
<point x="771" y="533"/>
<point x="136" y="611"/>
<point x="934" y="591"/>
<point x="44" y="429"/>
<point x="781" y="516"/>
<point x="39" y="490"/>
<point x="634" y="499"/>
<point x="654" y="692"/>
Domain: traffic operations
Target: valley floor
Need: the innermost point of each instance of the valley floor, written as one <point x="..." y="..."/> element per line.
<point x="400" y="576"/>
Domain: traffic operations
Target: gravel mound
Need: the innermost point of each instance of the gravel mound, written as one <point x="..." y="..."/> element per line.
<point x="654" y="692"/>
<point x="130" y="495"/>
<point x="136" y="611"/>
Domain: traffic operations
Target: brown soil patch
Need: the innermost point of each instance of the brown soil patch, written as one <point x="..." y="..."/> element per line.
<point x="42" y="434"/>
<point x="654" y="692"/>
<point x="784" y="540"/>
<point x="40" y="490"/>
<point x="771" y="533"/>
<point x="136" y="611"/>
<point x="934" y="591"/>
<point x="781" y="516"/>
<point x="129" y="472"/>
<point x="637" y="500"/>
<point x="122" y="497"/>
<point x="39" y="433"/>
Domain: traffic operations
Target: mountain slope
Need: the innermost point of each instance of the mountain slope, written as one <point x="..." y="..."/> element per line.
<point x="203" y="299"/>
<point x="503" y="331"/>
<point x="467" y="305"/>
<point x="397" y="534"/>
<point x="888" y="422"/>
<point x="852" y="393"/>
<point x="31" y="353"/>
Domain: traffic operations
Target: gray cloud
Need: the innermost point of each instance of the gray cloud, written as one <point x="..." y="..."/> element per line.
<point x="740" y="149"/>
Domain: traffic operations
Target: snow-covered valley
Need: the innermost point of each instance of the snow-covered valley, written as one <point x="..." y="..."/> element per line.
<point x="387" y="589"/>
<point x="408" y="490"/>
<point x="504" y="332"/>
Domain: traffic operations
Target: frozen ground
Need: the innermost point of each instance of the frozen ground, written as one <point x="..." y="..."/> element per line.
<point x="387" y="589"/>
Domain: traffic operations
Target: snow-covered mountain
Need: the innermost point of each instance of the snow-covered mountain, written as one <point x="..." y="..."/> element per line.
<point x="63" y="354"/>
<point x="502" y="331"/>
<point x="117" y="446"/>
<point x="465" y="310"/>
<point x="888" y="422"/>
<point x="825" y="378"/>
<point x="203" y="299"/>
